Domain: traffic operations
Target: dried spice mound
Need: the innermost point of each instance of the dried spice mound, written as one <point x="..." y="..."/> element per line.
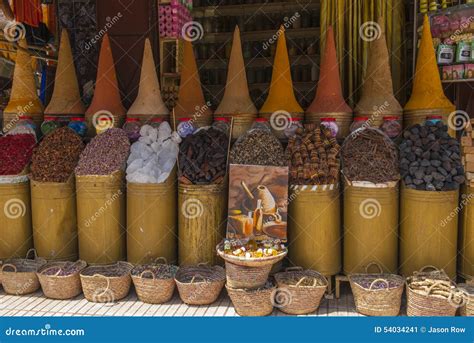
<point x="105" y="154"/>
<point x="55" y="158"/>
<point x="313" y="156"/>
<point x="430" y="159"/>
<point x="258" y="147"/>
<point x="15" y="153"/>
<point x="203" y="157"/>
<point x="369" y="155"/>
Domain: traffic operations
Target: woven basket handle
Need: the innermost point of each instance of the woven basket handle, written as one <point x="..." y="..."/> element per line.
<point x="147" y="271"/>
<point x="46" y="269"/>
<point x="296" y="268"/>
<point x="378" y="280"/>
<point x="9" y="265"/>
<point x="304" y="278"/>
<point x="161" y="258"/>
<point x="203" y="264"/>
<point x="108" y="284"/>
<point x="35" y="254"/>
<point x="429" y="290"/>
<point x="125" y="263"/>
<point x="373" y="264"/>
<point x="423" y="269"/>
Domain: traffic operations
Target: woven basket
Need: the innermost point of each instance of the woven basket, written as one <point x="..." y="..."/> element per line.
<point x="467" y="309"/>
<point x="371" y="301"/>
<point x="248" y="273"/>
<point x="253" y="302"/>
<point x="200" y="285"/>
<point x="299" y="291"/>
<point x="154" y="283"/>
<point x="420" y="303"/>
<point x="19" y="275"/>
<point x="61" y="287"/>
<point x="106" y="283"/>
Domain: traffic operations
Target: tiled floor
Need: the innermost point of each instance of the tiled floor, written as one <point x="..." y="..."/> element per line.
<point x="38" y="305"/>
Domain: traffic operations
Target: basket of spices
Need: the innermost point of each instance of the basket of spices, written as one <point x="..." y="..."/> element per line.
<point x="19" y="274"/>
<point x="377" y="294"/>
<point x="60" y="280"/>
<point x="299" y="291"/>
<point x="248" y="263"/>
<point x="106" y="283"/>
<point x="201" y="284"/>
<point x="253" y="302"/>
<point x="154" y="283"/>
<point x="467" y="308"/>
<point x="432" y="294"/>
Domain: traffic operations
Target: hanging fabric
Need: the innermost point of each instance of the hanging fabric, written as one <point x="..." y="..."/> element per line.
<point x="355" y="26"/>
<point x="28" y="12"/>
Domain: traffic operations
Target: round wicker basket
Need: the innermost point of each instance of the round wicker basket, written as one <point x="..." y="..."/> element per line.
<point x="200" y="285"/>
<point x="57" y="286"/>
<point x="252" y="302"/>
<point x="154" y="283"/>
<point x="19" y="275"/>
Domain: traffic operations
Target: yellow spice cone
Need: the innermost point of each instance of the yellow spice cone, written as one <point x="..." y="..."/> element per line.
<point x="66" y="97"/>
<point x="190" y="96"/>
<point x="236" y="99"/>
<point x="281" y="96"/>
<point x="427" y="89"/>
<point x="377" y="88"/>
<point x="106" y="92"/>
<point x="24" y="98"/>
<point x="149" y="100"/>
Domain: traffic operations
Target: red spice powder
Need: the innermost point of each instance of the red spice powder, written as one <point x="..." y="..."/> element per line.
<point x="15" y="153"/>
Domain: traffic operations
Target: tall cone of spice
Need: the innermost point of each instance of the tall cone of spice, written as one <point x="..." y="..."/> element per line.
<point x="377" y="100"/>
<point x="24" y="97"/>
<point x="427" y="96"/>
<point x="329" y="100"/>
<point x="66" y="99"/>
<point x="106" y="109"/>
<point x="149" y="103"/>
<point x="191" y="102"/>
<point x="236" y="101"/>
<point x="281" y="99"/>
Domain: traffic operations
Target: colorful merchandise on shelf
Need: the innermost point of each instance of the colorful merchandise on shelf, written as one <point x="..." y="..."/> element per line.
<point x="173" y="18"/>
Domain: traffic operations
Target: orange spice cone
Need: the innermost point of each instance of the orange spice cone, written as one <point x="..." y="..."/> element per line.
<point x="191" y="102"/>
<point x="236" y="99"/>
<point x="329" y="97"/>
<point x="427" y="90"/>
<point x="106" y="101"/>
<point x="24" y="97"/>
<point x="281" y="96"/>
<point x="377" y="98"/>
<point x="149" y="102"/>
<point x="66" y="99"/>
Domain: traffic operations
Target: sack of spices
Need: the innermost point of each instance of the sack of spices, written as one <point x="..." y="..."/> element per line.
<point x="258" y="146"/>
<point x="15" y="156"/>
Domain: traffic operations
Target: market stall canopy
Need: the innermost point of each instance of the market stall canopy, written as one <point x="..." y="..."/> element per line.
<point x="236" y="98"/>
<point x="190" y="96"/>
<point x="149" y="100"/>
<point x="329" y="97"/>
<point x="427" y="89"/>
<point x="106" y="93"/>
<point x="24" y="97"/>
<point x="377" y="88"/>
<point x="66" y="98"/>
<point x="281" y="96"/>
